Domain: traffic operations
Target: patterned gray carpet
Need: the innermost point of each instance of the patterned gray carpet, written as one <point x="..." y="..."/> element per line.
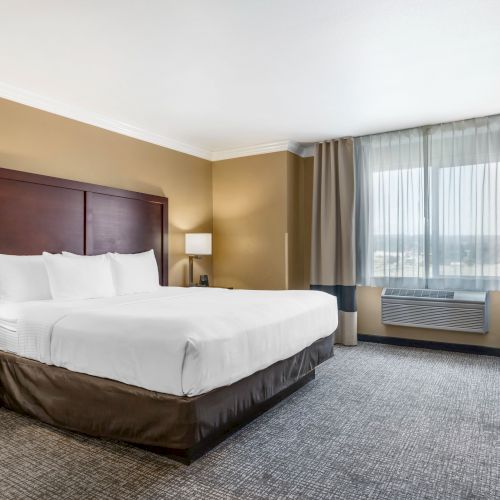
<point x="379" y="422"/>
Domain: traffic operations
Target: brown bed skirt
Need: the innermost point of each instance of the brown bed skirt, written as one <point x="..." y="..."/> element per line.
<point x="106" y="408"/>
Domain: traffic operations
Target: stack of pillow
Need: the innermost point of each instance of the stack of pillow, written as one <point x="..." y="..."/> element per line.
<point x="70" y="276"/>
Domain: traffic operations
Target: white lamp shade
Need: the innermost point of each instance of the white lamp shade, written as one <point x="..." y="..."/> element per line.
<point x="199" y="244"/>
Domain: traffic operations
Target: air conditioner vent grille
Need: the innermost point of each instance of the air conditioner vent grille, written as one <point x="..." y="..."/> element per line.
<point x="417" y="292"/>
<point x="436" y="309"/>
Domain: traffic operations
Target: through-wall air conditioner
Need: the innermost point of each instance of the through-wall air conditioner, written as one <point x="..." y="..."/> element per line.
<point x="436" y="309"/>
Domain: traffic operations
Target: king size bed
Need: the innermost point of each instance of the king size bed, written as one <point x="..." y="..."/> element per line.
<point x="174" y="369"/>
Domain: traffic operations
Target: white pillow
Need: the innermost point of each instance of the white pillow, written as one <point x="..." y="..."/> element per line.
<point x="81" y="277"/>
<point x="22" y="278"/>
<point x="135" y="272"/>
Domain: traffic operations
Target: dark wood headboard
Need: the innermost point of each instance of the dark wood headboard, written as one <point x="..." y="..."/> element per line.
<point x="40" y="213"/>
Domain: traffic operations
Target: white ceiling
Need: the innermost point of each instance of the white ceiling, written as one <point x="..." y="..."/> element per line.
<point x="206" y="76"/>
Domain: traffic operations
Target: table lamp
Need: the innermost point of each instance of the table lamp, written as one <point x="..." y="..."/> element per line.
<point x="197" y="244"/>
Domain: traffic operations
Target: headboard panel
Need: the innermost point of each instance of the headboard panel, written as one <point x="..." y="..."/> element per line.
<point x="40" y="213"/>
<point x="127" y="225"/>
<point x="36" y="217"/>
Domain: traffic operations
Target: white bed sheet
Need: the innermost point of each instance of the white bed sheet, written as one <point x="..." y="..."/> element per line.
<point x="8" y="326"/>
<point x="8" y="339"/>
<point x="180" y="341"/>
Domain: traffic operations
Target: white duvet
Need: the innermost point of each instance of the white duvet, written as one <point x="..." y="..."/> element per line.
<point x="180" y="341"/>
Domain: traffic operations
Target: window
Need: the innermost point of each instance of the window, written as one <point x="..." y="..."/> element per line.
<point x="429" y="206"/>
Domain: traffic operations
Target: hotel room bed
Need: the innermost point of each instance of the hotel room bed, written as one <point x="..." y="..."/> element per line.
<point x="175" y="369"/>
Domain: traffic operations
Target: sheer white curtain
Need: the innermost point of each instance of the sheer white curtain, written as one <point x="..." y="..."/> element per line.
<point x="464" y="200"/>
<point x="390" y="225"/>
<point x="429" y="206"/>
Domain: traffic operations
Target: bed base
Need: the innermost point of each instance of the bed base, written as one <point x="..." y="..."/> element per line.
<point x="189" y="455"/>
<point x="183" y="428"/>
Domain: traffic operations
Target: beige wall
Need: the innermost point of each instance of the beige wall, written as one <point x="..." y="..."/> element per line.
<point x="250" y="221"/>
<point x="299" y="199"/>
<point x="260" y="231"/>
<point x="43" y="143"/>
<point x="307" y="189"/>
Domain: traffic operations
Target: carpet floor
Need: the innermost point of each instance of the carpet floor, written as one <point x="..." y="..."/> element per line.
<point x="379" y="422"/>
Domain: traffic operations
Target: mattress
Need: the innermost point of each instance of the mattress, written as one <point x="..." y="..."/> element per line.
<point x="179" y="341"/>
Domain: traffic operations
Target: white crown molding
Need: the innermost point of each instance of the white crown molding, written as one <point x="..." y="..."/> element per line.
<point x="50" y="105"/>
<point x="29" y="98"/>
<point x="259" y="149"/>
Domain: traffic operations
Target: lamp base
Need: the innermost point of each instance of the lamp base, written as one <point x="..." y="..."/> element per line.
<point x="190" y="275"/>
